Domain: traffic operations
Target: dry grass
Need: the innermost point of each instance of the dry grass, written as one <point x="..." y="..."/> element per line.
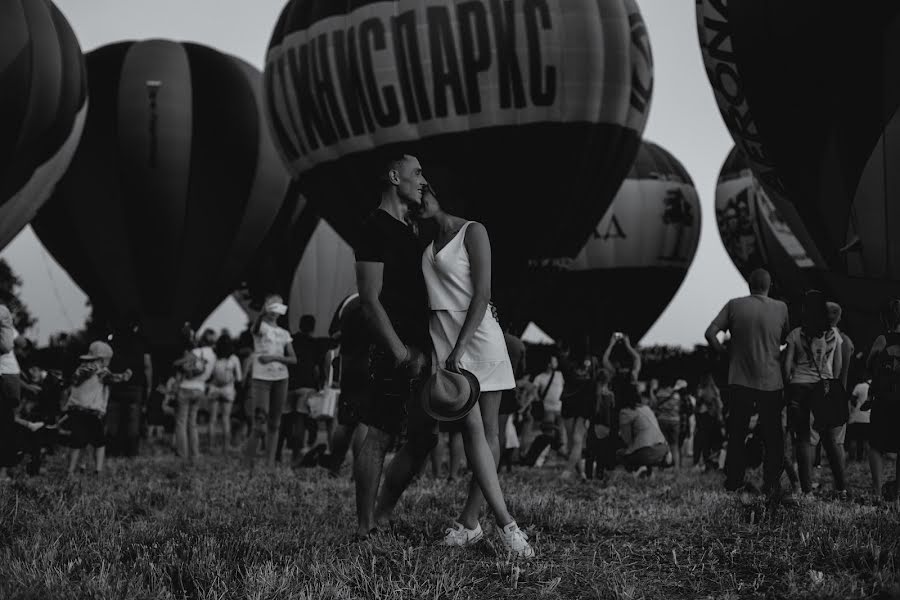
<point x="151" y="528"/>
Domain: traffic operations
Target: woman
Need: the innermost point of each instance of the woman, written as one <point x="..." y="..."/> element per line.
<point x="624" y="374"/>
<point x="708" y="436"/>
<point x="222" y="391"/>
<point x="884" y="366"/>
<point x="645" y="444"/>
<point x="465" y="335"/>
<point x="813" y="354"/>
<point x="579" y="403"/>
<point x="272" y="353"/>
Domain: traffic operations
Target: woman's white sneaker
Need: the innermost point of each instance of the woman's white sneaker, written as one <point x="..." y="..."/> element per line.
<point x="460" y="536"/>
<point x="515" y="540"/>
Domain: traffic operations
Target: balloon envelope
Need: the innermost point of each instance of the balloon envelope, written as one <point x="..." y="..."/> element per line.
<point x="43" y="104"/>
<point x="174" y="186"/>
<point x="324" y="278"/>
<point x="810" y="93"/>
<point x="527" y="114"/>
<point x="637" y="257"/>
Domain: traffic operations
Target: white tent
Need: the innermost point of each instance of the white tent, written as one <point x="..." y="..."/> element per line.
<point x="535" y="335"/>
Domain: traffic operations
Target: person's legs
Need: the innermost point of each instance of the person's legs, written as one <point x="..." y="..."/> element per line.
<point x="456" y="455"/>
<point x="770" y="407"/>
<point x="484" y="471"/>
<point x="400" y="472"/>
<point x="193" y="431"/>
<point x="876" y="466"/>
<point x="489" y="403"/>
<point x="114" y="420"/>
<point x="213" y="417"/>
<point x="226" y="424"/>
<point x="798" y="397"/>
<point x="181" y="422"/>
<point x="277" y="398"/>
<point x="835" y="453"/>
<point x="739" y="412"/>
<point x="576" y="432"/>
<point x="74" y="455"/>
<point x="672" y="432"/>
<point x="99" y="459"/>
<point x="367" y="468"/>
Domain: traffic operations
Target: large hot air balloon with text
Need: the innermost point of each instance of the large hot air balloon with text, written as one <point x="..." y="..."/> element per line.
<point x="43" y="105"/>
<point x="173" y="188"/>
<point x="633" y="264"/>
<point x="530" y="112"/>
<point x="810" y="92"/>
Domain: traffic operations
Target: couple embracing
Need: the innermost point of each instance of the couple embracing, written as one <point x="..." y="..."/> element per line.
<point x="438" y="351"/>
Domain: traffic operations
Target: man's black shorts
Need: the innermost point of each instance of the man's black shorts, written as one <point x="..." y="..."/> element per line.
<point x="86" y="427"/>
<point x="392" y="404"/>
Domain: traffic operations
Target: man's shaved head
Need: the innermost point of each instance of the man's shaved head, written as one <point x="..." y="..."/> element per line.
<point x="760" y="281"/>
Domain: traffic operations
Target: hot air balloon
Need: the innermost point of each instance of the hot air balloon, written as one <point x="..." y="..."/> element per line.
<point x="42" y="107"/>
<point x="810" y="94"/>
<point x="755" y="235"/>
<point x="325" y="276"/>
<point x="635" y="261"/>
<point x="530" y="111"/>
<point x="173" y="188"/>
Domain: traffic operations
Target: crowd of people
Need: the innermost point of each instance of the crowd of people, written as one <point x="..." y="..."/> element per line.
<point x="418" y="365"/>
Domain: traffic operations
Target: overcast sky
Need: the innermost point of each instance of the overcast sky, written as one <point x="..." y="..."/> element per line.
<point x="683" y="119"/>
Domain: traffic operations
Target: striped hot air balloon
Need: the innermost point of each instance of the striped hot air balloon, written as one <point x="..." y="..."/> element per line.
<point x="531" y="111"/>
<point x="43" y="104"/>
<point x="173" y="188"/>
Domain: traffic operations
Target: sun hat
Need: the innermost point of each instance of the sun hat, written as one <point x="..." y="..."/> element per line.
<point x="449" y="396"/>
<point x="680" y="384"/>
<point x="98" y="350"/>
<point x="277" y="308"/>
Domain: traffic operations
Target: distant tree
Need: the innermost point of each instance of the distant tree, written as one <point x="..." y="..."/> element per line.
<point x="9" y="296"/>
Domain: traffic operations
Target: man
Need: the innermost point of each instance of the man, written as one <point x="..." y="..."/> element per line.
<point x="395" y="306"/>
<point x="128" y="398"/>
<point x="758" y="326"/>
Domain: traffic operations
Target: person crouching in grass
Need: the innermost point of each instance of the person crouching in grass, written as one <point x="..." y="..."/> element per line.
<point x="88" y="400"/>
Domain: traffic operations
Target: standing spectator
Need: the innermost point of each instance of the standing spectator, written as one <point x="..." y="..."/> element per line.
<point x="884" y="365"/>
<point x="127" y="399"/>
<point x="602" y="443"/>
<point x="222" y="390"/>
<point x="708" y="435"/>
<point x="579" y="401"/>
<point x="10" y="391"/>
<point x="645" y="444"/>
<point x="549" y="386"/>
<point x="813" y="354"/>
<point x="305" y="378"/>
<point x="668" y="410"/>
<point x="625" y="372"/>
<point x="758" y="326"/>
<point x="858" y="423"/>
<point x="196" y="365"/>
<point x="509" y="404"/>
<point x="848" y="348"/>
<point x="272" y="353"/>
<point x="87" y="403"/>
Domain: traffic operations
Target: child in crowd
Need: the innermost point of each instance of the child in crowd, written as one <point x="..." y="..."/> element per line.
<point x="88" y="399"/>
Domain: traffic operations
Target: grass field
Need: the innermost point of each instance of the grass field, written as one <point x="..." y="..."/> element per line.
<point x="152" y="528"/>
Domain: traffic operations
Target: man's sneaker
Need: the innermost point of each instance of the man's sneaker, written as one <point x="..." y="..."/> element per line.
<point x="515" y="540"/>
<point x="460" y="536"/>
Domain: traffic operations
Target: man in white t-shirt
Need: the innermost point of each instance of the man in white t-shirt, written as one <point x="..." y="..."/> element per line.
<point x="858" y="423"/>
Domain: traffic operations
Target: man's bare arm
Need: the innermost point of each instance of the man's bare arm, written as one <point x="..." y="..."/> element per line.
<point x="369" y="278"/>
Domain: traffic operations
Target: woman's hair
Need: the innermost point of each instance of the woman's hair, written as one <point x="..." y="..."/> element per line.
<point x="890" y="314"/>
<point x="224" y="346"/>
<point x="814" y="319"/>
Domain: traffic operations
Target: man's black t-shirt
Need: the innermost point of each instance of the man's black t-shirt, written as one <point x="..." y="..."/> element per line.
<point x="310" y="353"/>
<point x="386" y="240"/>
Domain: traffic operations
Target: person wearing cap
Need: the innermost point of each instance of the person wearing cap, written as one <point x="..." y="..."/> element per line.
<point x="88" y="401"/>
<point x="469" y="354"/>
<point x="272" y="353"/>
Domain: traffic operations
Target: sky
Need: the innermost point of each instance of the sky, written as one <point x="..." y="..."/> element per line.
<point x="683" y="119"/>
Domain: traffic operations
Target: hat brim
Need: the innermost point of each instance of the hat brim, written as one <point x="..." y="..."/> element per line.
<point x="89" y="357"/>
<point x="474" y="394"/>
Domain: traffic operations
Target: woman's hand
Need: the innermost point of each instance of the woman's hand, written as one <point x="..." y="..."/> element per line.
<point x="454" y="363"/>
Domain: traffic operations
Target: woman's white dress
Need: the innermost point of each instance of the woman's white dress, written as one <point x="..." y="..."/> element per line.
<point x="448" y="278"/>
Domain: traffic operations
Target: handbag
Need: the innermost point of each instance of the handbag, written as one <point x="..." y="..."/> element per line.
<point x="829" y="405"/>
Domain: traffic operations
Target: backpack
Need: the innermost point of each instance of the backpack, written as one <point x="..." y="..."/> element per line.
<point x="222" y="374"/>
<point x="886" y="368"/>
